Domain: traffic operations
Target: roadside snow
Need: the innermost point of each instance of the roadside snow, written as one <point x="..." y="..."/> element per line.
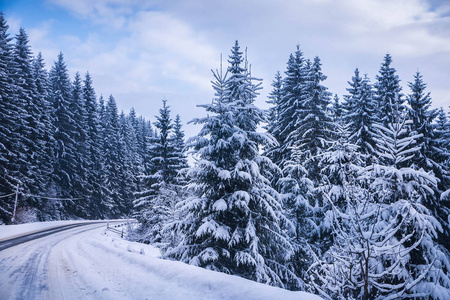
<point x="91" y="263"/>
<point x="153" y="278"/>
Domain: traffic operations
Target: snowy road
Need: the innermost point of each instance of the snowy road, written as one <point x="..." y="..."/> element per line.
<point x="35" y="235"/>
<point x="87" y="263"/>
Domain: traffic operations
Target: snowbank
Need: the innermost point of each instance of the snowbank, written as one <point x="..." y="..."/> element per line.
<point x="93" y="263"/>
<point x="208" y="284"/>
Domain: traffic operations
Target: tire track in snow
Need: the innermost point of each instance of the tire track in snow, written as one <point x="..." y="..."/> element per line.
<point x="87" y="263"/>
<point x="25" y="266"/>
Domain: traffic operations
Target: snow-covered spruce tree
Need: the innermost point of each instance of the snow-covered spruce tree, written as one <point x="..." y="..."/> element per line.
<point x="332" y="273"/>
<point x="422" y="118"/>
<point x="291" y="100"/>
<point x="126" y="167"/>
<point x="119" y="184"/>
<point x="131" y="140"/>
<point x="385" y="238"/>
<point x="442" y="133"/>
<point x="144" y="135"/>
<point x="177" y="139"/>
<point x="81" y="186"/>
<point x="313" y="134"/>
<point x="30" y="128"/>
<point x="95" y="172"/>
<point x="156" y="204"/>
<point x="359" y="115"/>
<point x="407" y="190"/>
<point x="339" y="165"/>
<point x="275" y="97"/>
<point x="180" y="159"/>
<point x="273" y="121"/>
<point x="232" y="224"/>
<point x="10" y="112"/>
<point x="47" y="158"/>
<point x="110" y="153"/>
<point x="178" y="187"/>
<point x="65" y="145"/>
<point x="315" y="128"/>
<point x="387" y="92"/>
<point x="337" y="111"/>
<point x="430" y="157"/>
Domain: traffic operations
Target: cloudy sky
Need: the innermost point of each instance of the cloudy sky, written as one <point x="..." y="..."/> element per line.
<point x="144" y="50"/>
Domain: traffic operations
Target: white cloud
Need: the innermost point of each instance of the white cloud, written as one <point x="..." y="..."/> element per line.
<point x="14" y="23"/>
<point x="168" y="47"/>
<point x="42" y="41"/>
<point x="114" y="13"/>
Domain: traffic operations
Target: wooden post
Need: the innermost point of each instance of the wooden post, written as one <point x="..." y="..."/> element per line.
<point x="15" y="204"/>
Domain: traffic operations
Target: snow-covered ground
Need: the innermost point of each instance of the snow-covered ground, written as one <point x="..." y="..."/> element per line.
<point x="91" y="263"/>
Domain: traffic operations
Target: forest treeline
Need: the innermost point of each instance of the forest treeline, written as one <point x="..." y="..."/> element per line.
<point x="347" y="198"/>
<point x="69" y="153"/>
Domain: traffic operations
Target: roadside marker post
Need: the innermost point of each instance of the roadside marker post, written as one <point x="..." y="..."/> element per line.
<point x="15" y="204"/>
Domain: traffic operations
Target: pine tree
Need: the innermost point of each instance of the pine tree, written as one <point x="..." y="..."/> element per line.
<point x="144" y="135"/>
<point x="176" y="191"/>
<point x="292" y="97"/>
<point x="422" y="118"/>
<point x="180" y="159"/>
<point x="65" y="144"/>
<point x="138" y="146"/>
<point x="385" y="238"/>
<point x="46" y="160"/>
<point x="442" y="133"/>
<point x="430" y="156"/>
<point x="441" y="130"/>
<point x="381" y="251"/>
<point x="359" y="115"/>
<point x="273" y="121"/>
<point x="130" y="125"/>
<point x="95" y="172"/>
<point x="10" y="112"/>
<point x="110" y="152"/>
<point x="233" y="222"/>
<point x="81" y="186"/>
<point x="29" y="126"/>
<point x="163" y="148"/>
<point x="387" y="92"/>
<point x="158" y="201"/>
<point x="127" y="173"/>
<point x="337" y="110"/>
<point x="316" y="129"/>
<point x="407" y="190"/>
<point x="275" y="97"/>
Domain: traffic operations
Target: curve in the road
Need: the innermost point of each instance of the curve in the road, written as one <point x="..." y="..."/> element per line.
<point x="32" y="236"/>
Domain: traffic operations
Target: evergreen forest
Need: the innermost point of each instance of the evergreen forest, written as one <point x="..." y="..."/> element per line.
<point x="347" y="198"/>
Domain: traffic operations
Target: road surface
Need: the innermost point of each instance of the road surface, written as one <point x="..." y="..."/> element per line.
<point x="37" y="265"/>
<point x="7" y="243"/>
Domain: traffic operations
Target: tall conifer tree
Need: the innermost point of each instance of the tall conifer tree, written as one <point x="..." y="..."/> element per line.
<point x="359" y="115"/>
<point x="46" y="160"/>
<point x="292" y="96"/>
<point x="10" y="112"/>
<point x="95" y="171"/>
<point x="233" y="222"/>
<point x="65" y="144"/>
<point x="388" y="91"/>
